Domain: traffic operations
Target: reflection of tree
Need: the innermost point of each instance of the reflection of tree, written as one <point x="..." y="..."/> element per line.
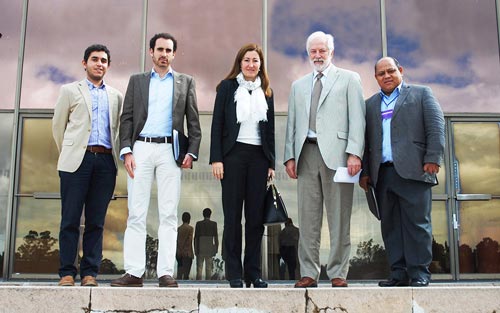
<point x="466" y="259"/>
<point x="151" y="256"/>
<point x="484" y="259"/>
<point x="369" y="263"/>
<point x="218" y="269"/>
<point x="108" y="267"/>
<point x="36" y="254"/>
<point x="487" y="256"/>
<point x="440" y="258"/>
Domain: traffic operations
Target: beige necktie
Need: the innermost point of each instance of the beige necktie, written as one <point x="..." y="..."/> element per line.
<point x="318" y="86"/>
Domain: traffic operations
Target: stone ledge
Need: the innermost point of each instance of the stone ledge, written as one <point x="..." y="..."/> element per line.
<point x="217" y="298"/>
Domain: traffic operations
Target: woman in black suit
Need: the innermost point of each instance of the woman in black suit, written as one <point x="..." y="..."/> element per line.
<point x="242" y="157"/>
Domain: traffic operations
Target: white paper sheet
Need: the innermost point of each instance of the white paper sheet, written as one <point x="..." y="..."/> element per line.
<point x="342" y="176"/>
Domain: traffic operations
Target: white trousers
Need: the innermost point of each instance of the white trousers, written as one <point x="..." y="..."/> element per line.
<point x="152" y="160"/>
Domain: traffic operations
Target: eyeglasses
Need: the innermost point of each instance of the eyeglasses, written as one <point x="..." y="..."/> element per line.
<point x="389" y="71"/>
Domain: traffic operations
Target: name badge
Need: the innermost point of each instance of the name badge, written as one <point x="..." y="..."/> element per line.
<point x="387" y="114"/>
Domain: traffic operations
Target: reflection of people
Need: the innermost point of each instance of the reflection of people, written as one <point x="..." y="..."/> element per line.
<point x="86" y="115"/>
<point x="289" y="241"/>
<point x="184" y="254"/>
<point x="404" y="148"/>
<point x="325" y="130"/>
<point x="152" y="109"/>
<point x="242" y="157"/>
<point x="206" y="244"/>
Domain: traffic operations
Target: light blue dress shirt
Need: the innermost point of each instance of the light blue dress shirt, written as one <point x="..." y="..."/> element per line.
<point x="387" y="104"/>
<point x="100" y="134"/>
<point x="161" y="92"/>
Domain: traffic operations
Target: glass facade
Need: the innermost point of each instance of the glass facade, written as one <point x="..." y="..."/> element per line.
<point x="449" y="45"/>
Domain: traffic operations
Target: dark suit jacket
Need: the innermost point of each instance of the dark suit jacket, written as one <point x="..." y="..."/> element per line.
<point x="225" y="128"/>
<point x="135" y="109"/>
<point x="206" y="238"/>
<point x="417" y="134"/>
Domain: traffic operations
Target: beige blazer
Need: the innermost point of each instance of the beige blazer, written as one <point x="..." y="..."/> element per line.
<point x="72" y="121"/>
<point x="340" y="122"/>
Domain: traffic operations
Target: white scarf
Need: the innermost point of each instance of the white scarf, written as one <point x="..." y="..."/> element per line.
<point x="250" y="107"/>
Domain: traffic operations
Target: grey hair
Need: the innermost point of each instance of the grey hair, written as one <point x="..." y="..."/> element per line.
<point x="326" y="37"/>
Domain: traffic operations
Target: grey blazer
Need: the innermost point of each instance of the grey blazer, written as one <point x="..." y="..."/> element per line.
<point x="135" y="109"/>
<point x="417" y="134"/>
<point x="73" y="119"/>
<point x="340" y="122"/>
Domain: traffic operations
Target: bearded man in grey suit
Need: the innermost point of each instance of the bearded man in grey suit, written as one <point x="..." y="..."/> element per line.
<point x="85" y="129"/>
<point x="404" y="149"/>
<point x="156" y="103"/>
<point x="325" y="130"/>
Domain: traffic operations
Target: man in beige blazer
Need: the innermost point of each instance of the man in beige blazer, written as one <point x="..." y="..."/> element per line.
<point x="325" y="130"/>
<point x="85" y="129"/>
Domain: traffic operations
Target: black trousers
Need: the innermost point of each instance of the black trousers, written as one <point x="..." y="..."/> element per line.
<point x="405" y="208"/>
<point x="244" y="183"/>
<point x="92" y="186"/>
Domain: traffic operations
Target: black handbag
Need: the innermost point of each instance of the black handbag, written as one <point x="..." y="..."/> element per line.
<point x="274" y="207"/>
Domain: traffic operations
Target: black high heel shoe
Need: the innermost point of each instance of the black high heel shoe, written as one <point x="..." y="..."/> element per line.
<point x="258" y="283"/>
<point x="236" y="283"/>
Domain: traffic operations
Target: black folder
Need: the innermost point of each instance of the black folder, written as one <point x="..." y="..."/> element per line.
<point x="180" y="144"/>
<point x="372" y="202"/>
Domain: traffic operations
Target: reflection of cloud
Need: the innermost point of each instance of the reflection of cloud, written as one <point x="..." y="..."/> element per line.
<point x="451" y="53"/>
<point x="54" y="74"/>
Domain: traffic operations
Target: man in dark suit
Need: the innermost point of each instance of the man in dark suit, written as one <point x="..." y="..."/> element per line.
<point x="206" y="244"/>
<point x="87" y="114"/>
<point x="403" y="151"/>
<point x="155" y="104"/>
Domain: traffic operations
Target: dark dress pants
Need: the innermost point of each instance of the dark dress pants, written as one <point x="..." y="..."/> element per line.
<point x="245" y="178"/>
<point x="92" y="186"/>
<point x="405" y="207"/>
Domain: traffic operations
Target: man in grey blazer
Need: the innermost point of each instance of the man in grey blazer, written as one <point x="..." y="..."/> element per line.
<point x="404" y="149"/>
<point x="85" y="129"/>
<point x="325" y="130"/>
<point x="156" y="103"/>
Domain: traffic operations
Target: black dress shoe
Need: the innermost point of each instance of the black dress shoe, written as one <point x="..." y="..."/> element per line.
<point x="420" y="282"/>
<point x="393" y="283"/>
<point x="258" y="283"/>
<point x="236" y="283"/>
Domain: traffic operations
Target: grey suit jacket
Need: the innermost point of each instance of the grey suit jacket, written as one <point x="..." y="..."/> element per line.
<point x="135" y="109"/>
<point x="72" y="121"/>
<point x="340" y="122"/>
<point x="417" y="134"/>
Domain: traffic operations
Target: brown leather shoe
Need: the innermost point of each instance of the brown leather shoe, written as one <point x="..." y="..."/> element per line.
<point x="67" y="280"/>
<point x="306" y="282"/>
<point x="89" y="281"/>
<point x="167" y="281"/>
<point x="339" y="282"/>
<point x="127" y="280"/>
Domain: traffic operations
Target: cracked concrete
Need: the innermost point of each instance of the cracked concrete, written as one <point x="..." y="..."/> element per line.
<point x="456" y="299"/>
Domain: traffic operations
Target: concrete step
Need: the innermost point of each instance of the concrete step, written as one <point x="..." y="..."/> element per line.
<point x="279" y="298"/>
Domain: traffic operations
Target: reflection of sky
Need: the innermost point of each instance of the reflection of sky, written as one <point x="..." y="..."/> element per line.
<point x="451" y="45"/>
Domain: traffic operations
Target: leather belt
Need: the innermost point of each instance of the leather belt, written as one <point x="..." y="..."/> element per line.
<point x="98" y="149"/>
<point x="313" y="141"/>
<point x="387" y="164"/>
<point x="155" y="139"/>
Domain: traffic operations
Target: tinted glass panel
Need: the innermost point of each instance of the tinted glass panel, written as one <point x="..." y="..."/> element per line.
<point x="10" y="32"/>
<point x="450" y="45"/>
<point x="57" y="38"/>
<point x="5" y="163"/>
<point x="209" y="34"/>
<point x="354" y="24"/>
